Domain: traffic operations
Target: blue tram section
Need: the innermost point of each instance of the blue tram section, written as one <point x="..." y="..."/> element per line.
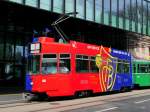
<point x="123" y="70"/>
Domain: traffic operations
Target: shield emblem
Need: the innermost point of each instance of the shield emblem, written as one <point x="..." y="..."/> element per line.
<point x="107" y="65"/>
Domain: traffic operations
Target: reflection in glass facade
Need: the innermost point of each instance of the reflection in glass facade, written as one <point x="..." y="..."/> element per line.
<point x="114" y="13"/>
<point x="1" y="46"/>
<point x="80" y="8"/>
<point x="89" y="9"/>
<point x="32" y="3"/>
<point x="148" y="26"/>
<point x="131" y="15"/>
<point x="69" y="6"/>
<point x="133" y="8"/>
<point x="58" y="6"/>
<point x="106" y="11"/>
<point x="127" y="14"/>
<point x="98" y="11"/>
<point x="144" y="16"/>
<point x="45" y="4"/>
<point x="139" y="15"/>
<point x="18" y="1"/>
<point x="121" y="13"/>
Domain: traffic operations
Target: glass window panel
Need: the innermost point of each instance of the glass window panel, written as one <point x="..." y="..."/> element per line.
<point x="133" y="26"/>
<point x="19" y="50"/>
<point x="69" y="6"/>
<point x="89" y="9"/>
<point x="139" y="28"/>
<point x="64" y="56"/>
<point x="144" y="16"/>
<point x="134" y="68"/>
<point x="49" y="64"/>
<point x="34" y="64"/>
<point x="149" y="19"/>
<point x="106" y="19"/>
<point x="82" y="64"/>
<point x="106" y="11"/>
<point x="144" y="29"/>
<point x="139" y="16"/>
<point x="126" y="67"/>
<point x="114" y="12"/>
<point x="119" y="68"/>
<point x="143" y="68"/>
<point x="9" y="53"/>
<point x="98" y="10"/>
<point x="121" y="13"/>
<point x="64" y="63"/>
<point x="127" y="13"/>
<point x="17" y="1"/>
<point x="120" y="22"/>
<point x="19" y="56"/>
<point x="1" y="45"/>
<point x="80" y="8"/>
<point x="134" y="16"/>
<point x="127" y="24"/>
<point x="31" y="3"/>
<point x="45" y="4"/>
<point x="58" y="6"/>
<point x="93" y="67"/>
<point x="144" y="12"/>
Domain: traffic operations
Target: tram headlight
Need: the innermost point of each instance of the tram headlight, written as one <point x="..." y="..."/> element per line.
<point x="31" y="83"/>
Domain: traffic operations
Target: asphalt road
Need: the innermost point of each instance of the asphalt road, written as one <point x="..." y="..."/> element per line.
<point x="135" y="101"/>
<point x="138" y="104"/>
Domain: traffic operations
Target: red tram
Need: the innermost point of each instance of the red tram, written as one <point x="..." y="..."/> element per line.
<point x="75" y="68"/>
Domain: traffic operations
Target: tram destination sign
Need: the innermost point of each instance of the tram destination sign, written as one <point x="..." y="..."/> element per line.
<point x="35" y="48"/>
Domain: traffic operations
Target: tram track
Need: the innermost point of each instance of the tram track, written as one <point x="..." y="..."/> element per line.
<point x="90" y="103"/>
<point x="73" y="103"/>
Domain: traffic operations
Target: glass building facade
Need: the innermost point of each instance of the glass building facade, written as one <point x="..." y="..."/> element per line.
<point x="130" y="15"/>
<point x="21" y="17"/>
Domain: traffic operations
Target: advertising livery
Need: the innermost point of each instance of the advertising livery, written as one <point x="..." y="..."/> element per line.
<point x="65" y="69"/>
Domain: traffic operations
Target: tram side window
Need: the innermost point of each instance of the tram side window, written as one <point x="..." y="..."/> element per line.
<point x="34" y="64"/>
<point x="49" y="64"/>
<point x="138" y="70"/>
<point x="126" y="67"/>
<point x="64" y="63"/>
<point x="143" y="68"/>
<point x="148" y="68"/>
<point x="82" y="63"/>
<point x="134" y="68"/>
<point x="93" y="67"/>
<point x="119" y="67"/>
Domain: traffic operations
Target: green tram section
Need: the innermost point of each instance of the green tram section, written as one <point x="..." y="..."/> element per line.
<point x="141" y="73"/>
<point x="130" y="15"/>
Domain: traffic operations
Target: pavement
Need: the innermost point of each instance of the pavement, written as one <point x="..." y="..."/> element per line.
<point x="11" y="90"/>
<point x="10" y="94"/>
<point x="134" y="101"/>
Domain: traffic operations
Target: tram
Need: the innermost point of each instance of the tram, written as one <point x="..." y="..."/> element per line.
<point x="141" y="73"/>
<point x="75" y="68"/>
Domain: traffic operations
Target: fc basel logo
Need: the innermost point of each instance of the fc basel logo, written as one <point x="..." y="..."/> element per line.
<point x="107" y="65"/>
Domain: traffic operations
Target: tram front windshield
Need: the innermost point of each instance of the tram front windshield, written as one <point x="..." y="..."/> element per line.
<point x="34" y="64"/>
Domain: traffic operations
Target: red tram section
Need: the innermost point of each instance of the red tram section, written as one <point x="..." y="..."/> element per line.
<point x="75" y="68"/>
